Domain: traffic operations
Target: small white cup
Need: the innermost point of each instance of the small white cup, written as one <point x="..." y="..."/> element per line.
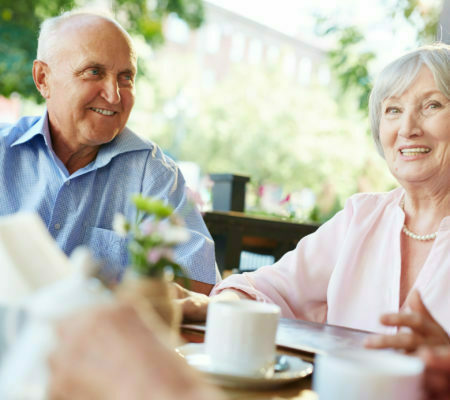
<point x="240" y="337"/>
<point x="367" y="375"/>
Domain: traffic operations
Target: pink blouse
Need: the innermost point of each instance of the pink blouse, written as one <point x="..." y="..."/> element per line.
<point x="348" y="272"/>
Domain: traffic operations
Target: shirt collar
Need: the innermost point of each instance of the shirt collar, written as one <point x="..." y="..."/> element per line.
<point x="125" y="142"/>
<point x="39" y="128"/>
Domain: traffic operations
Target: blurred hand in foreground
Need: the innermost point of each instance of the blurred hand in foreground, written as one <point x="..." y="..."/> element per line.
<point x="423" y="329"/>
<point x="109" y="353"/>
<point x="437" y="373"/>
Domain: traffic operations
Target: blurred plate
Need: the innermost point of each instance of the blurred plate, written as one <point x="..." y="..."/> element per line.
<point x="194" y="354"/>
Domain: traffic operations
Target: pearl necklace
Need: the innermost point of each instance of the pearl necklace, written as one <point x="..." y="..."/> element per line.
<point x="407" y="232"/>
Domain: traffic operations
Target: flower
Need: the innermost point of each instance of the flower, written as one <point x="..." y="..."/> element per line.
<point x="152" y="237"/>
<point x="120" y="225"/>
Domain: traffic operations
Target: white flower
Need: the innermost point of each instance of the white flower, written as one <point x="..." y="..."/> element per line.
<point x="120" y="224"/>
<point x="173" y="234"/>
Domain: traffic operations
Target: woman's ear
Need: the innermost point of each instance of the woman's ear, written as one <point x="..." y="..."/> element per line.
<point x="41" y="73"/>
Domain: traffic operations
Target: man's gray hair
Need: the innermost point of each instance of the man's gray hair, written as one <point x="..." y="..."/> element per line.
<point x="48" y="33"/>
<point x="396" y="77"/>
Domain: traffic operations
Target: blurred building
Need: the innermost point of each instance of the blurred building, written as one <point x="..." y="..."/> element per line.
<point x="443" y="32"/>
<point x="227" y="38"/>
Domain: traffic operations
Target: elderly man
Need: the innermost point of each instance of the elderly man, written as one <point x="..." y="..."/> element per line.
<point x="78" y="164"/>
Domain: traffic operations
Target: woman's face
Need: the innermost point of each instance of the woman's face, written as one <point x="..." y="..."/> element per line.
<point x="415" y="133"/>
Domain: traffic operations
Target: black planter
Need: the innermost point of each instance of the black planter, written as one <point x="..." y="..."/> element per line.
<point x="228" y="193"/>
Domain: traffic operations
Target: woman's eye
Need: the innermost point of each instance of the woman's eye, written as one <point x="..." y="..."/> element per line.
<point x="434" y="105"/>
<point x="94" y="71"/>
<point x="392" y="110"/>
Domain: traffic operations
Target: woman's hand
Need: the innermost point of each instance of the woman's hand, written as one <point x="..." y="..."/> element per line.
<point x="437" y="373"/>
<point x="424" y="329"/>
<point x="195" y="305"/>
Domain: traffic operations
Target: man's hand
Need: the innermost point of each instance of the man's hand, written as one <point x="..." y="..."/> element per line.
<point x="424" y="329"/>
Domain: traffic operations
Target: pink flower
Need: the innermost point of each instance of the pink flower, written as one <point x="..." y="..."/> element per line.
<point x="287" y="199"/>
<point x="148" y="227"/>
<point x="154" y="255"/>
<point x="261" y="190"/>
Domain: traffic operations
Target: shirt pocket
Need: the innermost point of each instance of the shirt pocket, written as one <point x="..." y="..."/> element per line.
<point x="110" y="249"/>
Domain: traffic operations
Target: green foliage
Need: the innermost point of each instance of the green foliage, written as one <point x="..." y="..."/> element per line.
<point x="350" y="60"/>
<point x="20" y="21"/>
<point x="19" y="28"/>
<point x="271" y="129"/>
<point x="151" y="207"/>
<point x="351" y="65"/>
<point x="152" y="237"/>
<point x="424" y="16"/>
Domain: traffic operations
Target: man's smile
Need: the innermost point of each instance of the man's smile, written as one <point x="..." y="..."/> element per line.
<point x="103" y="111"/>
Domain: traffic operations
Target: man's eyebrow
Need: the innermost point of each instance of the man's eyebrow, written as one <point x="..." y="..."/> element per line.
<point x="90" y="64"/>
<point x="130" y="71"/>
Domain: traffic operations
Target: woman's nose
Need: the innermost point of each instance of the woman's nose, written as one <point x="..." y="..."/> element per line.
<point x="410" y="125"/>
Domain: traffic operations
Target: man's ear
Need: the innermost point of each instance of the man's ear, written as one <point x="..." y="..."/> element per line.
<point x="41" y="74"/>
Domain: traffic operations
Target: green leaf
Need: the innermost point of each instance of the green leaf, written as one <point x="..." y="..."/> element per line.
<point x="152" y="206"/>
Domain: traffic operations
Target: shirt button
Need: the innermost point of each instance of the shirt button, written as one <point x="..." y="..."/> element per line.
<point x="67" y="183"/>
<point x="57" y="226"/>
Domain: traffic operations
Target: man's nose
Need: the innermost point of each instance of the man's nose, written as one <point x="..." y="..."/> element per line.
<point x="410" y="124"/>
<point x="110" y="91"/>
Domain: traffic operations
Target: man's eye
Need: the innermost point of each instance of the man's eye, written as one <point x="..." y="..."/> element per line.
<point x="94" y="71"/>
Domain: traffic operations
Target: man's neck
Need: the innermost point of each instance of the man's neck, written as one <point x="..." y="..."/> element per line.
<point x="73" y="157"/>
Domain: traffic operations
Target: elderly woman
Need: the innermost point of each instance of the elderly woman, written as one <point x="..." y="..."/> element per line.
<point x="383" y="249"/>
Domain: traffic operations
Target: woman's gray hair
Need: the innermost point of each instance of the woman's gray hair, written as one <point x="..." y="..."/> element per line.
<point x="396" y="77"/>
<point x="48" y="33"/>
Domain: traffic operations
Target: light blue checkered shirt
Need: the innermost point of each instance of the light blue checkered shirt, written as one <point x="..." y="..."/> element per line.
<point x="78" y="209"/>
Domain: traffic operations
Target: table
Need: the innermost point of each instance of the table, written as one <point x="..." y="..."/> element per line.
<point x="234" y="231"/>
<point x="299" y="338"/>
<point x="298" y="390"/>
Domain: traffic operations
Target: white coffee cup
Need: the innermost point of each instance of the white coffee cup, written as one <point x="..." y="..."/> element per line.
<point x="240" y="337"/>
<point x="359" y="374"/>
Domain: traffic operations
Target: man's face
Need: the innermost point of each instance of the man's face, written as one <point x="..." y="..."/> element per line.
<point x="90" y="83"/>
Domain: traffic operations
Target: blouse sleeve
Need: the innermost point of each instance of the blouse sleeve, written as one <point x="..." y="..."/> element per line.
<point x="298" y="282"/>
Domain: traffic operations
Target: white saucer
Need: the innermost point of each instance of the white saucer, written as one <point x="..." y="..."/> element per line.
<point x="194" y="354"/>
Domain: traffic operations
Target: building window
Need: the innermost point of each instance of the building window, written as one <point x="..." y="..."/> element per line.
<point x="255" y="51"/>
<point x="323" y="75"/>
<point x="272" y="54"/>
<point x="237" y="47"/>
<point x="177" y="30"/>
<point x="213" y="36"/>
<point x="304" y="71"/>
<point x="289" y="63"/>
